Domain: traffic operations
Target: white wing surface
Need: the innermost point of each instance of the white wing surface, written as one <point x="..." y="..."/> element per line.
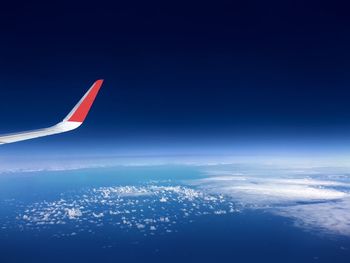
<point x="72" y="121"/>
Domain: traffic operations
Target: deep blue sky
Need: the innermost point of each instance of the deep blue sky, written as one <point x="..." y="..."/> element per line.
<point x="178" y="75"/>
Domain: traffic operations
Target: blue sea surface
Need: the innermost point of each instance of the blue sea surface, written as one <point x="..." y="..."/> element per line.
<point x="172" y="213"/>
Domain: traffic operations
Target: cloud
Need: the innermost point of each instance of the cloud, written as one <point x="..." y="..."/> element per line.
<point x="73" y="213"/>
<point x="272" y="190"/>
<point x="313" y="203"/>
<point x="332" y="217"/>
<point x="145" y="208"/>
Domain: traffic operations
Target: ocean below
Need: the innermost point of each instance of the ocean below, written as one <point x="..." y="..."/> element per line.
<point x="176" y="213"/>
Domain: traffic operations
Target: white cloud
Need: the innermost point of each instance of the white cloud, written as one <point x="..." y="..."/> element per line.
<point x="272" y="190"/>
<point x="97" y="215"/>
<point x="333" y="217"/>
<point x="73" y="213"/>
<point x="279" y="192"/>
<point x="124" y="207"/>
<point x="313" y="203"/>
<point x="163" y="200"/>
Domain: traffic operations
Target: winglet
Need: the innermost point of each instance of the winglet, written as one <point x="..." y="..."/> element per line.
<point x="80" y="111"/>
<point x="73" y="120"/>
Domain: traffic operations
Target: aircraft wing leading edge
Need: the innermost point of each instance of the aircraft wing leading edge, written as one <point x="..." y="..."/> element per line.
<point x="72" y="121"/>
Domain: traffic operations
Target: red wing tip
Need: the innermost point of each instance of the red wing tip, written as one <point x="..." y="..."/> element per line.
<point x="81" y="112"/>
<point x="97" y="85"/>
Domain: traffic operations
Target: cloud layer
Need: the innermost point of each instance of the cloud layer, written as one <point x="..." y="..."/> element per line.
<point x="312" y="199"/>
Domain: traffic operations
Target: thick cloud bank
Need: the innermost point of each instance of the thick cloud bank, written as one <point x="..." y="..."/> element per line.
<point x="314" y="199"/>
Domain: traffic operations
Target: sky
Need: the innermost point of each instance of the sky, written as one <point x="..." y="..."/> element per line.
<point x="223" y="77"/>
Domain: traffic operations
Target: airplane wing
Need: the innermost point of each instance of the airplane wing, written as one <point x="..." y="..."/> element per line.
<point x="72" y="121"/>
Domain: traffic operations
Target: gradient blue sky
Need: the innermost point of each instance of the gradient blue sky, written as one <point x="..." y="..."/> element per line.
<point x="194" y="77"/>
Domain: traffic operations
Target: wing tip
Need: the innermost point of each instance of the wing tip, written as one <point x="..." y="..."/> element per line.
<point x="82" y="109"/>
<point x="99" y="81"/>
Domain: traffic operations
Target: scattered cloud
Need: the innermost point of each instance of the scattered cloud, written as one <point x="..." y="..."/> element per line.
<point x="146" y="208"/>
